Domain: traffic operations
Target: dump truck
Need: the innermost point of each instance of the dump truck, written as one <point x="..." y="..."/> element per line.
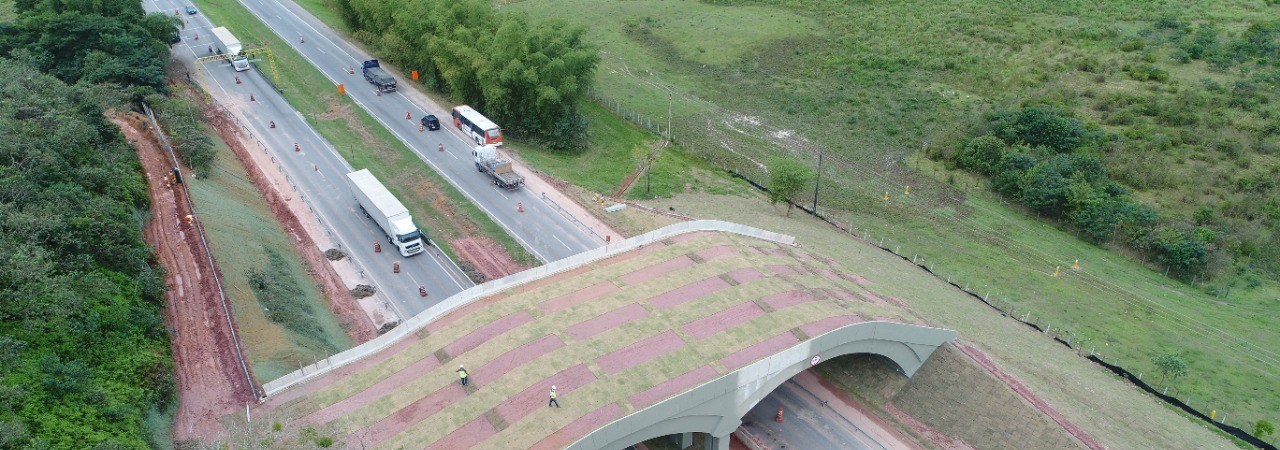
<point x="376" y="202"/>
<point x="375" y="75"/>
<point x="234" y="49"/>
<point x="500" y="170"/>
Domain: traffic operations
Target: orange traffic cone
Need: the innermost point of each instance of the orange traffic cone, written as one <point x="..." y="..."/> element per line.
<point x="251" y="97"/>
<point x="441" y="148"/>
<point x="378" y="91"/>
<point x="407" y="116"/>
<point x="422" y="290"/>
<point x="302" y="40"/>
<point x="197" y="37"/>
<point x="395" y="266"/>
<point x="520" y="206"/>
<point x="779" y="415"/>
<point x="237" y="79"/>
<point x="377" y="248"/>
<point x="296" y="148"/>
<point x="273" y="124"/>
<point x="421" y="128"/>
<point x="351" y="70"/>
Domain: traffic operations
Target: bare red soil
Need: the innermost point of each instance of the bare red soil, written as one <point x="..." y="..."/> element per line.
<point x="211" y="381"/>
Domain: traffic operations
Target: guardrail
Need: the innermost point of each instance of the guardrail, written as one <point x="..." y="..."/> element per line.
<point x="415" y="323"/>
<point x="572" y="218"/>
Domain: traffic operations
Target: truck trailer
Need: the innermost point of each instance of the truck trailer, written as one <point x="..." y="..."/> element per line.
<point x="500" y="170"/>
<point x="234" y="49"/>
<point x="377" y="203"/>
<point x="375" y="75"/>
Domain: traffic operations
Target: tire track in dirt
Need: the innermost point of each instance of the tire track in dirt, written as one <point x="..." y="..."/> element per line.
<point x="210" y="381"/>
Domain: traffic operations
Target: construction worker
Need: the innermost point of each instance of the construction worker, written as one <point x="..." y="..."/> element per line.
<point x="462" y="374"/>
<point x="553" y="398"/>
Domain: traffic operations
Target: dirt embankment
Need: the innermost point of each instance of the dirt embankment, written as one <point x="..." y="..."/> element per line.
<point x="355" y="322"/>
<point x="211" y="379"/>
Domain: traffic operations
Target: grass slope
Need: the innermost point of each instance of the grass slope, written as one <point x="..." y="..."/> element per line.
<point x="242" y="230"/>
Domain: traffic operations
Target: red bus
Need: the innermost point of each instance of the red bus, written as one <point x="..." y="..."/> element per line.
<point x="478" y="127"/>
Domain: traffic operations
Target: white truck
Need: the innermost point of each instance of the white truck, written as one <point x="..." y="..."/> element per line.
<point x="233" y="48"/>
<point x="500" y="170"/>
<point x="377" y="202"/>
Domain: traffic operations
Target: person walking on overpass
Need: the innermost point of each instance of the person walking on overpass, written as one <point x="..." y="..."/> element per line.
<point x="553" y="397"/>
<point x="462" y="374"/>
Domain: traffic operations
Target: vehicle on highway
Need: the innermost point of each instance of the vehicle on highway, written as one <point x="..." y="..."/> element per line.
<point x="238" y="61"/>
<point x="431" y="122"/>
<point x="500" y="170"/>
<point x="378" y="204"/>
<point x="191" y="9"/>
<point x="375" y="75"/>
<point x="477" y="126"/>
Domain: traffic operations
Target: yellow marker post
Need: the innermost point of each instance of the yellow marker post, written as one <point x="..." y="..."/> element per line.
<point x="908" y="191"/>
<point x="886" y="196"/>
<point x="1057" y="271"/>
<point x="1076" y="265"/>
<point x="1213" y="414"/>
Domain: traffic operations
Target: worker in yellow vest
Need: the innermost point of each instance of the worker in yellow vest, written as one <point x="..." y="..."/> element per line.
<point x="553" y="398"/>
<point x="462" y="374"/>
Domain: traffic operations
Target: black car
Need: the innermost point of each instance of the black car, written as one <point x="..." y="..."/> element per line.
<point x="175" y="38"/>
<point x="431" y="122"/>
<point x="191" y="9"/>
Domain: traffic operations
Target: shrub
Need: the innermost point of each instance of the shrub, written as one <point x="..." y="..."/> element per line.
<point x="1038" y="126"/>
<point x="981" y="154"/>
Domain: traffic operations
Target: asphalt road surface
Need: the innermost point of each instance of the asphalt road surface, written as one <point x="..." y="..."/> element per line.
<point x="318" y="173"/>
<point x="541" y="229"/>
<point x="807" y="424"/>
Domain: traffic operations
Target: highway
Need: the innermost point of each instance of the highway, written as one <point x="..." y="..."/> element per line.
<point x="806" y="423"/>
<point x="540" y="229"/>
<point x="318" y="172"/>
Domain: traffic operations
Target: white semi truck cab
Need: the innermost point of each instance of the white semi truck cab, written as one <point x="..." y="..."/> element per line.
<point x="377" y="203"/>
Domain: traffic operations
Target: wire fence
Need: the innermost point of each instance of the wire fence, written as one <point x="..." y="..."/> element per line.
<point x="739" y="144"/>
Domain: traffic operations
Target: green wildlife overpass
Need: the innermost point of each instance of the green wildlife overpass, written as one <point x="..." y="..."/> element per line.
<point x="676" y="331"/>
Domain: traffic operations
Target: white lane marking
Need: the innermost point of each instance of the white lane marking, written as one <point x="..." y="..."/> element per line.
<point x="561" y="242"/>
<point x="394" y="131"/>
<point x="499" y="191"/>
<point x="330" y="77"/>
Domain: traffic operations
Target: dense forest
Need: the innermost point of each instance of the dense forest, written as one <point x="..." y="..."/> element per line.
<point x="84" y="354"/>
<point x="526" y="76"/>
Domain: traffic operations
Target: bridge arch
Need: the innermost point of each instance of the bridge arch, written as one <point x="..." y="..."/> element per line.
<point x="717" y="406"/>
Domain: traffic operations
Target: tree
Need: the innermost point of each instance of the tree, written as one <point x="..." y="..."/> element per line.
<point x="787" y="179"/>
<point x="1263" y="428"/>
<point x="1170" y="365"/>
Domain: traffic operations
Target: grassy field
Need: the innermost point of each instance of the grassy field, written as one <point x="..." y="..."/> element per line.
<point x="618" y="149"/>
<point x="439" y="208"/>
<point x="242" y="231"/>
<point x="889" y="78"/>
